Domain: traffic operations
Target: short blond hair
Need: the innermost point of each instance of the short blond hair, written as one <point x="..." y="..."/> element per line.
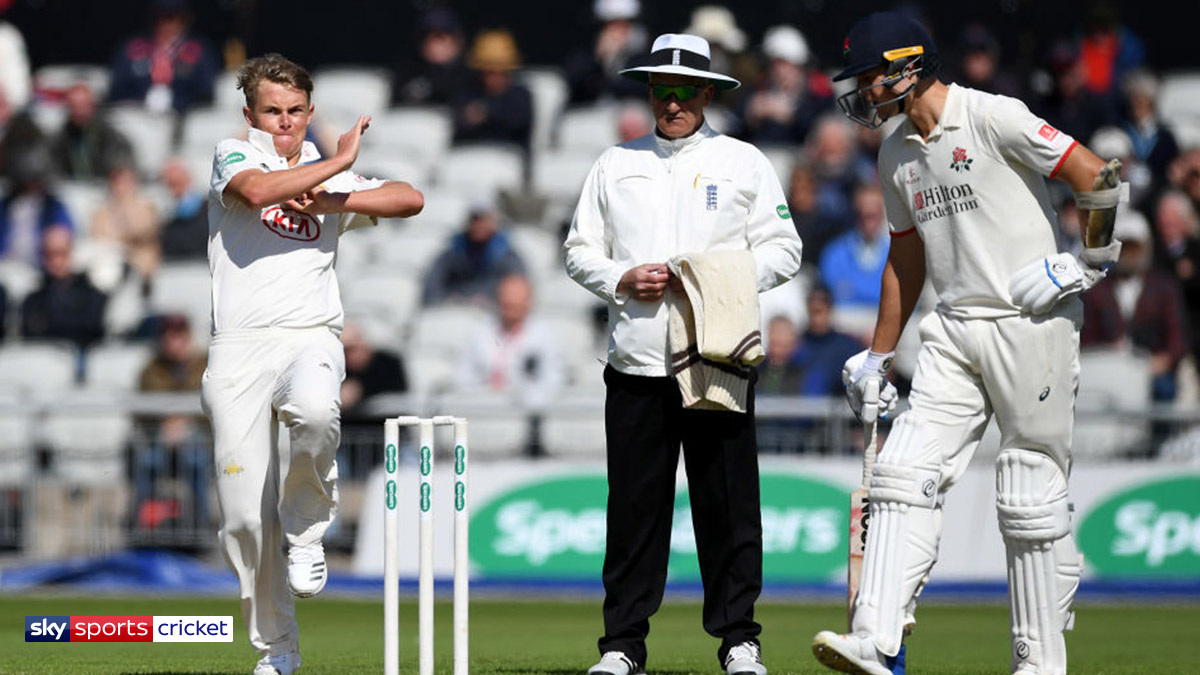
<point x="273" y="68"/>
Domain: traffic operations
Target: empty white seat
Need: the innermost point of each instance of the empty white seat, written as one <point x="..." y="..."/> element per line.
<point x="389" y="165"/>
<point x="474" y="168"/>
<point x="184" y="287"/>
<point x="559" y="175"/>
<point x="591" y="129"/>
<point x="204" y="127"/>
<point x="445" y="328"/>
<point x="390" y="295"/>
<point x="342" y="93"/>
<point x="783" y="158"/>
<point x="410" y="253"/>
<point x="81" y="198"/>
<point x="548" y="87"/>
<point x="117" y="365"/>
<point x="539" y="250"/>
<point x="574" y="423"/>
<point x="149" y="133"/>
<point x="559" y="295"/>
<point x="417" y="133"/>
<point x="40" y="368"/>
<point x="86" y="433"/>
<point x="226" y="95"/>
<point x="16" y="441"/>
<point x="1110" y="380"/>
<point x="497" y="426"/>
<point x="61" y="76"/>
<point x="18" y="278"/>
<point x="430" y="371"/>
<point x="445" y="211"/>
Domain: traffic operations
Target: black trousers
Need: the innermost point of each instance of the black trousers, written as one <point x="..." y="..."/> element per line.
<point x="645" y="425"/>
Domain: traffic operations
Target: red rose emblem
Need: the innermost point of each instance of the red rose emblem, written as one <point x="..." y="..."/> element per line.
<point x="959" y="154"/>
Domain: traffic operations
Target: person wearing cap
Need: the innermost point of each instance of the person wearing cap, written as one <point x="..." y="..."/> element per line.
<point x="474" y="260"/>
<point x="684" y="189"/>
<point x="494" y="108"/>
<point x="968" y="209"/>
<point x="592" y="73"/>
<point x="786" y="105"/>
<point x="437" y="72"/>
<point x="276" y="212"/>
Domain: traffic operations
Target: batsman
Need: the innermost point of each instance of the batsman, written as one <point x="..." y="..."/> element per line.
<point x="968" y="209"/>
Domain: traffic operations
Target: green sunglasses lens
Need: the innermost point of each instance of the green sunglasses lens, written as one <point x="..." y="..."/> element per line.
<point x="682" y="92"/>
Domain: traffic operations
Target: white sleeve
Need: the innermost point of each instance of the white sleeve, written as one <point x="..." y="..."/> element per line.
<point x="345" y="183"/>
<point x="588" y="248"/>
<point x="900" y="221"/>
<point x="231" y="157"/>
<point x="1021" y="136"/>
<point x="770" y="230"/>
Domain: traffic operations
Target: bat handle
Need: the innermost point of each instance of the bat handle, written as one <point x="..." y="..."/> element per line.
<point x="871" y="434"/>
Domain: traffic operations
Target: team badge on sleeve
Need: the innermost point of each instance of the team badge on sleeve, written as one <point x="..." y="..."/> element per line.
<point x="1048" y="132"/>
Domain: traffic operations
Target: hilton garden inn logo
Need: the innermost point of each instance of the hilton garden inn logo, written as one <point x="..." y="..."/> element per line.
<point x="940" y="201"/>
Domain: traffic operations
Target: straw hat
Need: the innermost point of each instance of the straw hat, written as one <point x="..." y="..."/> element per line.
<point x="494" y="50"/>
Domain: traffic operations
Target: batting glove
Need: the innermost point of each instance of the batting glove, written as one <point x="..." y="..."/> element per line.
<point x="868" y="391"/>
<point x="1041" y="284"/>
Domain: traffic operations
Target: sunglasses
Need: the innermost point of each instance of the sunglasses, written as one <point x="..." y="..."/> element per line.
<point x="681" y="92"/>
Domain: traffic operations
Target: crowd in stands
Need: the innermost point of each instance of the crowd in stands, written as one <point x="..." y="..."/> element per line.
<point x="96" y="214"/>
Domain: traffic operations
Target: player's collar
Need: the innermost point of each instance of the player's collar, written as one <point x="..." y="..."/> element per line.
<point x="954" y="115"/>
<point x="263" y="142"/>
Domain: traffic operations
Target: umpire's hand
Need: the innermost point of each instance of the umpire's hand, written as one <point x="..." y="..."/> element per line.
<point x="644" y="282"/>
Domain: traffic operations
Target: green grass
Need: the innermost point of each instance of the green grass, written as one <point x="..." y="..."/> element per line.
<point x="340" y="636"/>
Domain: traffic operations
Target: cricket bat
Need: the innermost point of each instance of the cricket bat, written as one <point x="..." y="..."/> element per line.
<point x="859" y="514"/>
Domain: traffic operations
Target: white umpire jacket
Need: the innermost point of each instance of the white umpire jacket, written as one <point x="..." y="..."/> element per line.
<point x="652" y="198"/>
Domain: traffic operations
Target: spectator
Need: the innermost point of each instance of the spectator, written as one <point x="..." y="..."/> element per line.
<point x="369" y="371"/>
<point x="1138" y="307"/>
<point x="130" y="221"/>
<point x="1184" y="173"/>
<point x="1108" y="51"/>
<point x="633" y="122"/>
<point x="184" y="231"/>
<point x="87" y="146"/>
<point x="778" y="374"/>
<point x="592" y="74"/>
<point x="474" y="260"/>
<point x="20" y="139"/>
<point x="518" y="354"/>
<point x="167" y="68"/>
<point x="852" y="264"/>
<point x="817" y="221"/>
<point x="1178" y="228"/>
<point x="65" y="306"/>
<point x="980" y="66"/>
<point x="1069" y="106"/>
<point x="791" y="96"/>
<point x="436" y="73"/>
<point x="493" y="108"/>
<point x="727" y="43"/>
<point x="177" y="445"/>
<point x="1153" y="143"/>
<point x="833" y="151"/>
<point x="1114" y="142"/>
<point x="30" y="209"/>
<point x="822" y="348"/>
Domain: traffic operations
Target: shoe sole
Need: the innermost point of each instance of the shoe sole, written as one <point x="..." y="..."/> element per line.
<point x="832" y="658"/>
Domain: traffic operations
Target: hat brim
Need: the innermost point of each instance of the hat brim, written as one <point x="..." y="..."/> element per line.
<point x="642" y="74"/>
<point x="857" y="69"/>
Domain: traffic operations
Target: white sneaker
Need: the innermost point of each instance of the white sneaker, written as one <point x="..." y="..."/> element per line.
<point x="279" y="664"/>
<point x="616" y="663"/>
<point x="306" y="573"/>
<point x="850" y="653"/>
<point x="744" y="659"/>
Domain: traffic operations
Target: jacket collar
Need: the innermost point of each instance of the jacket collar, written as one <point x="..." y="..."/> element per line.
<point x="671" y="146"/>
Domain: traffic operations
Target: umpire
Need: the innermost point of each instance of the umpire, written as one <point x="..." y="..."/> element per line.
<point x="683" y="190"/>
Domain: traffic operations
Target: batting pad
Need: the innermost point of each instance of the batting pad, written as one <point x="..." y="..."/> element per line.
<point x="1043" y="564"/>
<point x="905" y="529"/>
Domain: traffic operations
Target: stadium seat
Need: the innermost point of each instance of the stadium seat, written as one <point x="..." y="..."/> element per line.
<point x="388" y="165"/>
<point x="342" y="93"/>
<point x="548" y="87"/>
<point x="559" y="175"/>
<point x="42" y="369"/>
<point x="559" y="295"/>
<point x="478" y="167"/>
<point x="226" y="95"/>
<point x="19" y="279"/>
<point x="16" y="441"/>
<point x="783" y="158"/>
<point x="588" y="130"/>
<point x="539" y="250"/>
<point x="151" y="135"/>
<point x="1111" y="381"/>
<point x="410" y="253"/>
<point x="497" y="426"/>
<point x="204" y="127"/>
<point x="574" y="423"/>
<point x="82" y="198"/>
<point x="444" y="328"/>
<point x="418" y="133"/>
<point x="86" y="433"/>
<point x="1177" y="105"/>
<point x="117" y="366"/>
<point x="49" y="116"/>
<point x="445" y="211"/>
<point x="184" y="287"/>
<point x="58" y="77"/>
<point x="430" y="371"/>
<point x="385" y="293"/>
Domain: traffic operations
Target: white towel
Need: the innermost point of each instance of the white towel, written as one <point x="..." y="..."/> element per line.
<point x="713" y="329"/>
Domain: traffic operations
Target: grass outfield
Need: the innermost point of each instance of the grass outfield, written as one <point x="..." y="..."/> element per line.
<point x="343" y="636"/>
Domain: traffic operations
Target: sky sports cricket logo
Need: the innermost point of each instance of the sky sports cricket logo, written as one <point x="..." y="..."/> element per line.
<point x="45" y="628"/>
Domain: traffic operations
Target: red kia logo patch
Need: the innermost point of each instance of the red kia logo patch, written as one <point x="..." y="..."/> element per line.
<point x="291" y="225"/>
<point x="1048" y="132"/>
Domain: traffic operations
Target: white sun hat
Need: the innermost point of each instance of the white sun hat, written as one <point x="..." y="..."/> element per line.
<point x="681" y="54"/>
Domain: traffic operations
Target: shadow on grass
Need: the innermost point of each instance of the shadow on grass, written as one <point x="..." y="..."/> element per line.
<point x="576" y="671"/>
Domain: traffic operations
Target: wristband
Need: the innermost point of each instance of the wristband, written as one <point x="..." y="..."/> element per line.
<point x="877" y="362"/>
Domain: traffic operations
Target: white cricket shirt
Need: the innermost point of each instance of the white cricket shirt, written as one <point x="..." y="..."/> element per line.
<point x="273" y="267"/>
<point x="975" y="192"/>
<point x="650" y="199"/>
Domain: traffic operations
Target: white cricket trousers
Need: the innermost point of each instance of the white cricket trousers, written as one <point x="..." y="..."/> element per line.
<point x="256" y="380"/>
